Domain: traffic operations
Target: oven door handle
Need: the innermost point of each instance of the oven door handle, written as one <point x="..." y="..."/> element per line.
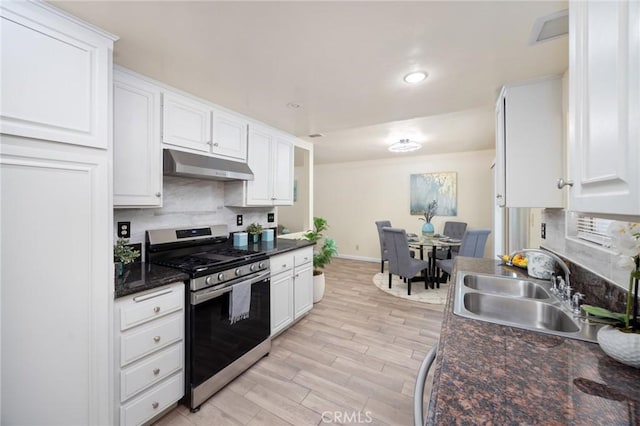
<point x="203" y="297"/>
<point x="197" y="298"/>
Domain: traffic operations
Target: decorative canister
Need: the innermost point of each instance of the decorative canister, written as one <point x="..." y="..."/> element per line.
<point x="240" y="239"/>
<point x="267" y="235"/>
<point x="539" y="265"/>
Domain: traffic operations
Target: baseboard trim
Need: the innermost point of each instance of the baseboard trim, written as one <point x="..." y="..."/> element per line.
<point x="362" y="258"/>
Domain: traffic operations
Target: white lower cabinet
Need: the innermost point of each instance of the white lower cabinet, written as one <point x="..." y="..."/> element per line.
<point x="150" y="353"/>
<point x="291" y="287"/>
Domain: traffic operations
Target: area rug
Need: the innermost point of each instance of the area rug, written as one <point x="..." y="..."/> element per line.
<point x="437" y="296"/>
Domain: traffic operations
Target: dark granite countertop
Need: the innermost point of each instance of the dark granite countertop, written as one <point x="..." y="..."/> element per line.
<point x="142" y="276"/>
<point x="491" y="374"/>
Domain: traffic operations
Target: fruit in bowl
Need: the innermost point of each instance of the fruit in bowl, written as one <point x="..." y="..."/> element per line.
<point x="518" y="260"/>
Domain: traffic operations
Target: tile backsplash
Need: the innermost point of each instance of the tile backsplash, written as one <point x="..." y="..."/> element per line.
<point x="593" y="270"/>
<point x="190" y="202"/>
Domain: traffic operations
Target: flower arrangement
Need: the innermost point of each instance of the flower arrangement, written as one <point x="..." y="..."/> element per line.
<point x="430" y="211"/>
<point x="626" y="240"/>
<point x="254" y="229"/>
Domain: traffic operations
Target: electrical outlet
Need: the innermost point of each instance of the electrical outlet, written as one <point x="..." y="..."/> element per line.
<point x="124" y="229"/>
<point x="271" y="217"/>
<point x="239" y="220"/>
<point x="543" y="231"/>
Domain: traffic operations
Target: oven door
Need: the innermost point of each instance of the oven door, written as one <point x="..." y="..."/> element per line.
<point x="214" y="341"/>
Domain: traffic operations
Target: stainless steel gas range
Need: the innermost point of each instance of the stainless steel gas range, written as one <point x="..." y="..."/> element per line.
<point x="227" y="306"/>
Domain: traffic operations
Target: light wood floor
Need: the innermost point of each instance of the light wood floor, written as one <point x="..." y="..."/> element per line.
<point x="354" y="357"/>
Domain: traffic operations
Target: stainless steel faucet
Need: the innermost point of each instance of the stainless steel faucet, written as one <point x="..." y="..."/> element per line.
<point x="563" y="265"/>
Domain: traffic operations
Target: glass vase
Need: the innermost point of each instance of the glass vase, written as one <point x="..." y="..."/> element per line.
<point x="427" y="229"/>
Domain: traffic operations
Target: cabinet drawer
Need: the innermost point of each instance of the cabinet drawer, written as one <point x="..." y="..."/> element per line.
<point x="149" y="338"/>
<point x="146" y="307"/>
<point x="303" y="256"/>
<point x="281" y="263"/>
<point x="153" y="402"/>
<point x="150" y="370"/>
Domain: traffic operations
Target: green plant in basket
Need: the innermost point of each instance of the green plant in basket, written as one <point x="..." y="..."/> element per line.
<point x="325" y="246"/>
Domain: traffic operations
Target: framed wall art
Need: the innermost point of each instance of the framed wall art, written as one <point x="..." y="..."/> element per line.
<point x="441" y="187"/>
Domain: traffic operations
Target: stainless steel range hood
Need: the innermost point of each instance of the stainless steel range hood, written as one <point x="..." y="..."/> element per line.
<point x="186" y="164"/>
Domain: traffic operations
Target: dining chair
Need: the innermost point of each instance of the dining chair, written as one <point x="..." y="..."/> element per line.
<point x="401" y="262"/>
<point x="383" y="253"/>
<point x="453" y="230"/>
<point x="473" y="243"/>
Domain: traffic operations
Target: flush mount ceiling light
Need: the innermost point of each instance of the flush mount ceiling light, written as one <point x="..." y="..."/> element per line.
<point x="415" y="77"/>
<point x="405" y="145"/>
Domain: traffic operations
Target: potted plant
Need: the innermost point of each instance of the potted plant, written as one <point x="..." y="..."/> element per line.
<point x="123" y="254"/>
<point x="429" y="213"/>
<point x="254" y="229"/>
<point x="621" y="338"/>
<point x="323" y="252"/>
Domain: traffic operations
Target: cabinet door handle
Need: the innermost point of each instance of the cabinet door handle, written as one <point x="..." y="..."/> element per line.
<point x="156" y="309"/>
<point x="155" y="404"/>
<point x="156" y="371"/>
<point x="562" y="183"/>
<point x="499" y="196"/>
<point x="158" y="194"/>
<point x="216" y="144"/>
<point x="156" y="339"/>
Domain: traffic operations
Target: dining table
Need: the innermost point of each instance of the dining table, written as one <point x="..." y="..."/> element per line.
<point x="435" y="243"/>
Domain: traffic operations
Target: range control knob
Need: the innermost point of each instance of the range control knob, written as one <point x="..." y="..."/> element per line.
<point x="208" y="280"/>
<point x="238" y="272"/>
<point x="252" y="267"/>
<point x="261" y="265"/>
<point x="220" y="277"/>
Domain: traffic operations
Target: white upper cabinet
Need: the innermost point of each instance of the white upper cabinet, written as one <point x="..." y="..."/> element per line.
<point x="270" y="158"/>
<point x="282" y="164"/>
<point x="604" y="98"/>
<point x="229" y="135"/>
<point x="529" y="144"/>
<point x="186" y="122"/>
<point x="196" y="125"/>
<point x="137" y="150"/>
<point x="53" y="81"/>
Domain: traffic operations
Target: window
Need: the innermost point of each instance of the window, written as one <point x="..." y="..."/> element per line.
<point x="593" y="229"/>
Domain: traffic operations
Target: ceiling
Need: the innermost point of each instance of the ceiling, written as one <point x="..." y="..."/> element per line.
<point x="342" y="62"/>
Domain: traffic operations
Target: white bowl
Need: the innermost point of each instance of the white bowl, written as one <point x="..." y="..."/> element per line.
<point x="623" y="347"/>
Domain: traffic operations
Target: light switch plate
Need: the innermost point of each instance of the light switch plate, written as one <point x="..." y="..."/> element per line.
<point x="239" y="220"/>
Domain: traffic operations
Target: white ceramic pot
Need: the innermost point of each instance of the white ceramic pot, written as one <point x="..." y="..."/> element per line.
<point x="623" y="347"/>
<point x="318" y="287"/>
<point x="539" y="265"/>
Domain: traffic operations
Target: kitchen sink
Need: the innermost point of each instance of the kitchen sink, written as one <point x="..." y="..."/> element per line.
<point x="517" y="302"/>
<point x="506" y="286"/>
<point x="523" y="312"/>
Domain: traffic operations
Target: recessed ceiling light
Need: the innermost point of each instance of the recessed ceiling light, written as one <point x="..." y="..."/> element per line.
<point x="415" y="77"/>
<point x="316" y="135"/>
<point x="293" y="105"/>
<point x="405" y="145"/>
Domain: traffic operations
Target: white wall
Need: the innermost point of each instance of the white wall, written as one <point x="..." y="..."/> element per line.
<point x="352" y="196"/>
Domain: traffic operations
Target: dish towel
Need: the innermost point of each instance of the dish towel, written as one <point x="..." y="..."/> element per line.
<point x="240" y="302"/>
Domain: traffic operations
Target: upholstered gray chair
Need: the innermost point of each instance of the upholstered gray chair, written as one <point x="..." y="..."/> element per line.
<point x="472" y="245"/>
<point x="383" y="253"/>
<point x="454" y="230"/>
<point x="400" y="261"/>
